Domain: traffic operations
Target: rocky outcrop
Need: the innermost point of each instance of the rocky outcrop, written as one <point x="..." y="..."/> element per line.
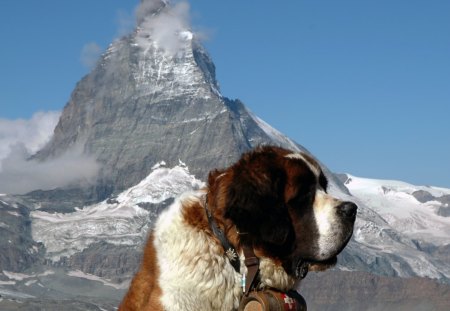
<point x="355" y="291"/>
<point x="424" y="196"/>
<point x="116" y="263"/>
<point x="18" y="251"/>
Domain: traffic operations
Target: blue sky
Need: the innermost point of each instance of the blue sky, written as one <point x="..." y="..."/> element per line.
<point x="364" y="85"/>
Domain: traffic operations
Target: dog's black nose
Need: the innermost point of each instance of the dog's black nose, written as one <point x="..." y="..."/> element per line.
<point x="347" y="209"/>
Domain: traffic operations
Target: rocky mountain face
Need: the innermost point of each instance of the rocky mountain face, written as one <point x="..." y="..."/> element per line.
<point x="355" y="291"/>
<point x="152" y="116"/>
<point x="18" y="249"/>
<point x="142" y="104"/>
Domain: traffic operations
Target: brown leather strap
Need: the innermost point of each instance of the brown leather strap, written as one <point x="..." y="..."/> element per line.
<point x="252" y="263"/>
<point x="230" y="251"/>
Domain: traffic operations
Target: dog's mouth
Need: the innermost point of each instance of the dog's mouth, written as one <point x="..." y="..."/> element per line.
<point x="303" y="266"/>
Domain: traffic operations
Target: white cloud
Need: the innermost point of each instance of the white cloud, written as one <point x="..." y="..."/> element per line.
<point x="33" y="134"/>
<point x="19" y="139"/>
<point x="170" y="28"/>
<point x="21" y="175"/>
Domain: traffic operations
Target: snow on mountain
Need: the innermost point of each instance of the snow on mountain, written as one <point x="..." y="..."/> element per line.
<point x="122" y="220"/>
<point x="396" y="234"/>
<point x="150" y="76"/>
<point x="395" y="202"/>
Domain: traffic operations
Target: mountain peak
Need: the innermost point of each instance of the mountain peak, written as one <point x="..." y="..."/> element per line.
<point x="152" y="97"/>
<point x="164" y="26"/>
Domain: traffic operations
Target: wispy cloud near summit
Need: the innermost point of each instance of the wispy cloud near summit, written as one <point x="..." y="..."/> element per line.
<point x="166" y="25"/>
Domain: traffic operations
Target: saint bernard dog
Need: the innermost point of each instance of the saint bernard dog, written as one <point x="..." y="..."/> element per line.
<point x="272" y="201"/>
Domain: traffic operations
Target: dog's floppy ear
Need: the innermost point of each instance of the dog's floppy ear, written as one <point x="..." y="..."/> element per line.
<point x="255" y="202"/>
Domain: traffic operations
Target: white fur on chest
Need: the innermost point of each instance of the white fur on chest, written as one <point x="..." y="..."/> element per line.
<point x="194" y="273"/>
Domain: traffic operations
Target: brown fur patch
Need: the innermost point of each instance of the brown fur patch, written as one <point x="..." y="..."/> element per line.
<point x="144" y="293"/>
<point x="194" y="214"/>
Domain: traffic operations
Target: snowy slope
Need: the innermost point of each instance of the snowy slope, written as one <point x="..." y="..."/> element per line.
<point x="395" y="234"/>
<point x="395" y="203"/>
<point x="123" y="220"/>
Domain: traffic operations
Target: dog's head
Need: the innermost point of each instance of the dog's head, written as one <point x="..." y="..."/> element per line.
<point x="278" y="201"/>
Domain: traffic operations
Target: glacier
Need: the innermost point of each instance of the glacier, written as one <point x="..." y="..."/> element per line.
<point x="395" y="234"/>
<point x="120" y="220"/>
